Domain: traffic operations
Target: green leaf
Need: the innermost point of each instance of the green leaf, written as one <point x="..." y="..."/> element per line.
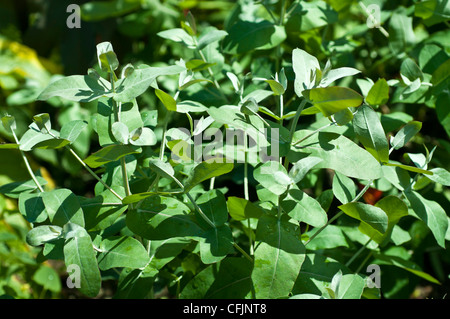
<point x="343" y="188"/>
<point x="303" y="208"/>
<point x="316" y="274"/>
<point x="78" y="88"/>
<point x="210" y="37"/>
<point x="410" y="70"/>
<point x="378" y="93"/>
<point x="107" y="59"/>
<point x="273" y="176"/>
<point x="278" y="258"/>
<point x="160" y="218"/>
<point x="71" y="130"/>
<point x="43" y="122"/>
<point x="351" y="286"/>
<point x="105" y="118"/>
<point x="214" y="206"/>
<point x="431" y="213"/>
<point x="48" y="278"/>
<point x="333" y="99"/>
<point x="432" y="11"/>
<point x="167" y="100"/>
<point x="14" y="189"/>
<point x="138" y="82"/>
<point x="9" y="123"/>
<point x="405" y="134"/>
<point x="198" y="65"/>
<point x="206" y="170"/>
<point x="100" y="10"/>
<point x="177" y="35"/>
<point x="302" y="167"/>
<point x="120" y="132"/>
<point x="311" y="15"/>
<point x="245" y="36"/>
<point x="135" y="283"/>
<point x="401" y="33"/>
<point x="240" y="208"/>
<point x="134" y="198"/>
<point x="163" y="251"/>
<point x="336" y="74"/>
<point x="276" y="87"/>
<point x="102" y="210"/>
<point x="122" y="252"/>
<point x="78" y="250"/>
<point x="42" y="234"/>
<point x="62" y="207"/>
<point x="370" y="133"/>
<point x="440" y="175"/>
<point x="373" y="216"/>
<point x="330" y="237"/>
<point x="343" y="117"/>
<point x="305" y="66"/>
<point x="31" y="206"/>
<point x="32" y="137"/>
<point x="142" y="136"/>
<point x="227" y="279"/>
<point x="338" y="153"/>
<point x="395" y="209"/>
<point x="215" y="244"/>
<point x="388" y="259"/>
<point x="109" y="154"/>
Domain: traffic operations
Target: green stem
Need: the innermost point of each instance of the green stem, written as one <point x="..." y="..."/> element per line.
<point x="360" y="250"/>
<point x="293" y="127"/>
<point x="363" y="262"/>
<point x="27" y="164"/>
<point x="243" y="252"/>
<point x="92" y="172"/>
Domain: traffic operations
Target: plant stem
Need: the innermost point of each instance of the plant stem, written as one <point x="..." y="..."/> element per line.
<point x="364" y="261"/>
<point x="357" y="197"/>
<point x="92" y="172"/>
<point x="27" y="164"/>
<point x="293" y="127"/>
<point x="243" y="252"/>
<point x="360" y="250"/>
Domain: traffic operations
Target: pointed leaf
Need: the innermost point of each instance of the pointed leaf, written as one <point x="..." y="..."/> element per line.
<point x="42" y="234"/>
<point x="431" y="213"/>
<point x="373" y="216"/>
<point x="240" y="208"/>
<point x="205" y="171"/>
<point x="378" y="93"/>
<point x="405" y="134"/>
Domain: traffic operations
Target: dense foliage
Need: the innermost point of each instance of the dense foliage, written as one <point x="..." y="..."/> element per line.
<point x="225" y="149"/>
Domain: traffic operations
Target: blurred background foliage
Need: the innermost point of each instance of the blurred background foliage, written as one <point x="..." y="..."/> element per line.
<point x="36" y="46"/>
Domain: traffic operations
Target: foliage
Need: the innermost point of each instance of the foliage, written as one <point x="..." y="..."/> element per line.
<point x="121" y="167"/>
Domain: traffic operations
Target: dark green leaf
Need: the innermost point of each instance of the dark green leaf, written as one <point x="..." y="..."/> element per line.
<point x="109" y="154"/>
<point x="245" y="36"/>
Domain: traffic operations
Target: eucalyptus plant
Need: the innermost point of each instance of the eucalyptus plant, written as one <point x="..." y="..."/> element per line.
<point x="157" y="212"/>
